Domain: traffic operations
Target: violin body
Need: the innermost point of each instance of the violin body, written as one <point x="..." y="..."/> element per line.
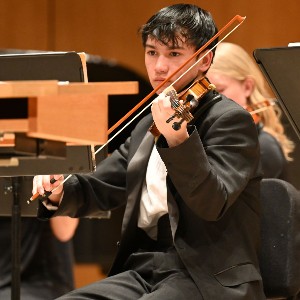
<point x="185" y="103"/>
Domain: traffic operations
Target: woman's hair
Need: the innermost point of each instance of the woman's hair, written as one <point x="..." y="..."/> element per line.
<point x="233" y="61"/>
<point x="194" y="25"/>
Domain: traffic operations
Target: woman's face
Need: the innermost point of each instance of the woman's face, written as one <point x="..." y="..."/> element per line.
<point x="232" y="88"/>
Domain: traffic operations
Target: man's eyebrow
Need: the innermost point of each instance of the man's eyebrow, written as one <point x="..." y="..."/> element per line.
<point x="149" y="46"/>
<point x="176" y="48"/>
<point x="169" y="47"/>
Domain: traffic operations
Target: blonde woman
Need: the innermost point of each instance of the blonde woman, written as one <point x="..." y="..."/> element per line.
<point x="237" y="76"/>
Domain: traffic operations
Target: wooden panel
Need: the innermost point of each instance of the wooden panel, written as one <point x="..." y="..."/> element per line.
<point x="105" y="28"/>
<point x="24" y="24"/>
<point x="81" y="119"/>
<point x="74" y="112"/>
<point x="109" y="29"/>
<point x="85" y="274"/>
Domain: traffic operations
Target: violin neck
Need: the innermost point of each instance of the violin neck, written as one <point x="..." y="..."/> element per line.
<point x="153" y="129"/>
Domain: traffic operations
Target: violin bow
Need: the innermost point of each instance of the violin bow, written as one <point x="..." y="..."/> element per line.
<point x="236" y="18"/>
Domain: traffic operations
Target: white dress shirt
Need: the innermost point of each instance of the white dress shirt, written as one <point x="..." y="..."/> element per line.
<point x="154" y="195"/>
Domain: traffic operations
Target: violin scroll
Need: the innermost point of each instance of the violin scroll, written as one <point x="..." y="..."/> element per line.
<point x="182" y="110"/>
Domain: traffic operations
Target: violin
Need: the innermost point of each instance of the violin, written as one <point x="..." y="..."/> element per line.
<point x="255" y="109"/>
<point x="184" y="103"/>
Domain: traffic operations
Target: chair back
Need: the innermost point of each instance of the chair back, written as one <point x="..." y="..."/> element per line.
<point x="280" y="247"/>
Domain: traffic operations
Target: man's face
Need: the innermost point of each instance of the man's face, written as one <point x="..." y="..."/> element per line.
<point x="161" y="61"/>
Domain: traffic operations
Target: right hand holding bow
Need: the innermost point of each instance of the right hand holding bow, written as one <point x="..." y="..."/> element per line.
<point x="43" y="184"/>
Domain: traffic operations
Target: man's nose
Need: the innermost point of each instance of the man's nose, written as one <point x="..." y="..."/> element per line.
<point x="161" y="65"/>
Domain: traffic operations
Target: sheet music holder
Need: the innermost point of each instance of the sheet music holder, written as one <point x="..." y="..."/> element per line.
<point x="60" y="66"/>
<point x="51" y="154"/>
<point x="27" y="67"/>
<point x="281" y="67"/>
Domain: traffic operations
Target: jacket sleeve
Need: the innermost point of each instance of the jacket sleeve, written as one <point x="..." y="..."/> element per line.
<point x="88" y="195"/>
<point x="215" y="164"/>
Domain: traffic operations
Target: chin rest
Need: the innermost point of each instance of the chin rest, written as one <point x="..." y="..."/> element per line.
<point x="280" y="248"/>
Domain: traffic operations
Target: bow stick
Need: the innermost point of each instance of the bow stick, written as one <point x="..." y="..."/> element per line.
<point x="237" y="18"/>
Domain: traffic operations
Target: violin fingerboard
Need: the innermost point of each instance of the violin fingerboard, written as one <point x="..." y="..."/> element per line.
<point x="173" y="99"/>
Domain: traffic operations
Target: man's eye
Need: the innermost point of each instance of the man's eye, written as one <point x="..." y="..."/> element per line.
<point x="174" y="54"/>
<point x="151" y="53"/>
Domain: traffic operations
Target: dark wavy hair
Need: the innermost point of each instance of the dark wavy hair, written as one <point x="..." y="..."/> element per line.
<point x="180" y="22"/>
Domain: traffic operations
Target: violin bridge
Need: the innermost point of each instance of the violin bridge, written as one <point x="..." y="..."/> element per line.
<point x="169" y="89"/>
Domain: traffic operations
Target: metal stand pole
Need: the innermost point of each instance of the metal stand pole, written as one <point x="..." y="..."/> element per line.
<point x="16" y="239"/>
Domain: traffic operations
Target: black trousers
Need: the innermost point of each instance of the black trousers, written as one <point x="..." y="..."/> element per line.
<point x="153" y="272"/>
<point x="152" y="275"/>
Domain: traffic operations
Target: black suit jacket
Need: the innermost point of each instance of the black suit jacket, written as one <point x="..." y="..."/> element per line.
<point x="213" y="198"/>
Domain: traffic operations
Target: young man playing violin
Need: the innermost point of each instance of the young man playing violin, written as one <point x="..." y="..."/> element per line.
<point x="191" y="223"/>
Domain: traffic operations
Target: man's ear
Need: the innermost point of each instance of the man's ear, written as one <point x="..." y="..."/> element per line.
<point x="206" y="61"/>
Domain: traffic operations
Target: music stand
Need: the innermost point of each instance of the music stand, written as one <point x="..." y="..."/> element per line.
<point x="281" y="67"/>
<point x="62" y="66"/>
<point x="29" y="67"/>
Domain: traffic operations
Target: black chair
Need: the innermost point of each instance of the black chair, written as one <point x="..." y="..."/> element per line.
<point x="280" y="248"/>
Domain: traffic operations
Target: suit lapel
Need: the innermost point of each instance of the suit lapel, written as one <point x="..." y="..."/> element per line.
<point x="136" y="175"/>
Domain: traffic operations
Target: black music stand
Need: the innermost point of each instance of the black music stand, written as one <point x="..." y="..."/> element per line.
<point x="61" y="66"/>
<point x="281" y="67"/>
